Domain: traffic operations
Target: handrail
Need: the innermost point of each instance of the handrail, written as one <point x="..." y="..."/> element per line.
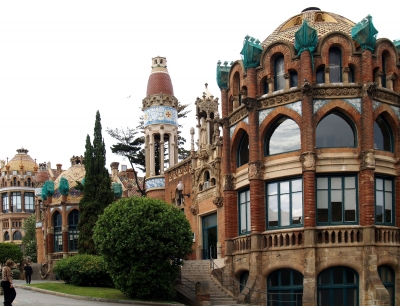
<point x="186" y="286"/>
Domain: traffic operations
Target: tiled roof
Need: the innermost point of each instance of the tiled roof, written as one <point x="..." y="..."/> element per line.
<point x="159" y="82"/>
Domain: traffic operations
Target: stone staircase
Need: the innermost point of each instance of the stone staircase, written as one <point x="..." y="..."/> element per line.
<point x="199" y="271"/>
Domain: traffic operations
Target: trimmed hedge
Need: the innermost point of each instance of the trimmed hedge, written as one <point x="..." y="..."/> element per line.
<point x="83" y="270"/>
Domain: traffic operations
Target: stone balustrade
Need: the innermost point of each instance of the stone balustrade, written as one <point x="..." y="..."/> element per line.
<point x="387" y="236"/>
<point x="283" y="239"/>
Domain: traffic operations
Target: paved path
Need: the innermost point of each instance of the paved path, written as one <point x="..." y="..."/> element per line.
<point x="35" y="296"/>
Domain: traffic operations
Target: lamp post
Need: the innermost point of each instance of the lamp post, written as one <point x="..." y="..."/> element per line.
<point x="181" y="196"/>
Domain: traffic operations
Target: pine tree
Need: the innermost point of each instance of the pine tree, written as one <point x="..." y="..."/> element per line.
<point x="97" y="193"/>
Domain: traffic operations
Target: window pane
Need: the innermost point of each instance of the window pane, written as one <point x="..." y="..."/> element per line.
<point x="322" y="183"/>
<point x="272" y="188"/>
<point x="248" y="217"/>
<point x="274" y="279"/>
<point x="382" y="135"/>
<point x="322" y="198"/>
<point x="336" y="183"/>
<point x="351" y="297"/>
<point x="324" y="297"/>
<point x="273" y="210"/>
<point x="284" y="187"/>
<point x="379" y="184"/>
<point x="285" y="213"/>
<point x="388" y="185"/>
<point x="350" y="277"/>
<point x="297" y="185"/>
<point x="243" y="218"/>
<point x="297" y="207"/>
<point x="284" y="129"/>
<point x="338" y="297"/>
<point x="388" y="207"/>
<point x="336" y="211"/>
<point x="324" y="278"/>
<point x="285" y="278"/>
<point x="333" y="132"/>
<point x="320" y="76"/>
<point x="350" y="205"/>
<point x="297" y="278"/>
<point x="350" y="182"/>
<point x="337" y="275"/>
<point x="379" y="206"/>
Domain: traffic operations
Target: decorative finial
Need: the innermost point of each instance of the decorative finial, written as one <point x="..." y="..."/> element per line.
<point x="206" y="84"/>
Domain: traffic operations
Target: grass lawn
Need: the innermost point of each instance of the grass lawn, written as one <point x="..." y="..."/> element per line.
<point x="98" y="292"/>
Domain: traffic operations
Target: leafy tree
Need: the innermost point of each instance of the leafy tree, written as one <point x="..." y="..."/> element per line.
<point x="29" y="240"/>
<point x="97" y="193"/>
<point x="10" y="251"/>
<point x="140" y="239"/>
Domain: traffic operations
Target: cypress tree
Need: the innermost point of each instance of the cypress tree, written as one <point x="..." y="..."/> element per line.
<point x="97" y="192"/>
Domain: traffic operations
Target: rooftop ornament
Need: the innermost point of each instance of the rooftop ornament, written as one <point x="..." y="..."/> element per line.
<point x="251" y="52"/>
<point x="64" y="186"/>
<point x="222" y="74"/>
<point x="364" y="33"/>
<point x="306" y="39"/>
<point x="117" y="188"/>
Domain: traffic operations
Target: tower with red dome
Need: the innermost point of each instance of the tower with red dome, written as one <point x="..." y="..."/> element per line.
<point x="160" y="127"/>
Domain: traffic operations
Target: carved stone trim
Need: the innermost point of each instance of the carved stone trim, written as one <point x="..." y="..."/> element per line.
<point x="370" y="89"/>
<point x="194" y="209"/>
<point x="229" y="182"/>
<point x="255" y="172"/>
<point x="218" y="201"/>
<point x="367" y="160"/>
<point x="281" y="98"/>
<point x="385" y="95"/>
<point x="336" y="92"/>
<point x="307" y="89"/>
<point x="237" y="116"/>
<point x="308" y="160"/>
<point x="251" y="104"/>
<point x="159" y="99"/>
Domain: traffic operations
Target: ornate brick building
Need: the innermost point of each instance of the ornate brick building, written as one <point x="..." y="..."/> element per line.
<point x="301" y="194"/>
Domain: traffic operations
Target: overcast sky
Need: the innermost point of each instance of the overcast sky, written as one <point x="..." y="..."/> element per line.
<point x="61" y="61"/>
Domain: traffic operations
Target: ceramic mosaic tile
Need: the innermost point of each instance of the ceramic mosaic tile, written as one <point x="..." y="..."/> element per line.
<point x="232" y="129"/>
<point x="356" y="103"/>
<point x="160" y="115"/>
<point x="263" y="114"/>
<point x="376" y="104"/>
<point x="155" y="182"/>
<point x="396" y="111"/>
<point x="296" y="106"/>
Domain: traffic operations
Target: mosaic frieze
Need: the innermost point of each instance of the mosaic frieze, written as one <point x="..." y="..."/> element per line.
<point x="238" y="116"/>
<point x="160" y="115"/>
<point x="356" y="103"/>
<point x="158" y="182"/>
<point x="232" y="128"/>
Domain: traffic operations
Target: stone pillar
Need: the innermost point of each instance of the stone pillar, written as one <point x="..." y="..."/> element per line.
<point x="10" y="229"/>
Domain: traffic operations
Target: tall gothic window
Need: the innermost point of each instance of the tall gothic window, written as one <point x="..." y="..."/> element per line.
<point x="284" y="128"/>
<point x="73" y="231"/>
<point x="279" y="66"/>
<point x="334" y="131"/>
<point x="243" y="150"/>
<point x="57" y="223"/>
<point x="335" y="65"/>
<point x="382" y="135"/>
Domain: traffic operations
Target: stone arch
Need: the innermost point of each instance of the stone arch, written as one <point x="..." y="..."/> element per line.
<point x="336" y="39"/>
<point x="339" y="262"/>
<point x="240" y="269"/>
<point x="240" y="130"/>
<point x="383" y="44"/>
<point x="274" y="266"/>
<point x="272" y="52"/>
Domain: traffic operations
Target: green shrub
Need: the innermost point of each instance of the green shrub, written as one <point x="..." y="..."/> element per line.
<point x="83" y="270"/>
<point x="140" y="238"/>
<point x="16" y="274"/>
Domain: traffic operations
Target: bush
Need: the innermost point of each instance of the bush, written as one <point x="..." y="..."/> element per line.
<point x="83" y="270"/>
<point x="16" y="274"/>
<point x="140" y="238"/>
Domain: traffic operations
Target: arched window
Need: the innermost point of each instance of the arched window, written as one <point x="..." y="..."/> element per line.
<point x="334" y="131"/>
<point x="14" y="181"/>
<point x="338" y="286"/>
<point x="6" y="236"/>
<point x="279" y="66"/>
<point x="335" y="65"/>
<point x="382" y="135"/>
<point x="293" y="79"/>
<point x="243" y="280"/>
<point x="284" y="128"/>
<point x="285" y="288"/>
<point x="29" y="182"/>
<point x="73" y="231"/>
<point x="243" y="151"/>
<point x="57" y="223"/>
<point x="386" y="274"/>
<point x="17" y="235"/>
<point x="321" y="75"/>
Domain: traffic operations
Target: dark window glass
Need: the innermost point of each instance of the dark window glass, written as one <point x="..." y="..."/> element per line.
<point x="16" y="201"/>
<point x="338" y="286"/>
<point x="243" y="150"/>
<point x="382" y="135"/>
<point x="384" y="201"/>
<point x="321" y="75"/>
<point x="284" y="128"/>
<point x="265" y="87"/>
<point x="285" y="288"/>
<point x="5" y="202"/>
<point x="57" y="222"/>
<point x="279" y="73"/>
<point x="337" y="199"/>
<point x="384" y="70"/>
<point x="293" y="79"/>
<point x="335" y="132"/>
<point x="335" y="65"/>
<point x="6" y="236"/>
<point x="17" y="235"/>
<point x="29" y="202"/>
<point x="73" y="231"/>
